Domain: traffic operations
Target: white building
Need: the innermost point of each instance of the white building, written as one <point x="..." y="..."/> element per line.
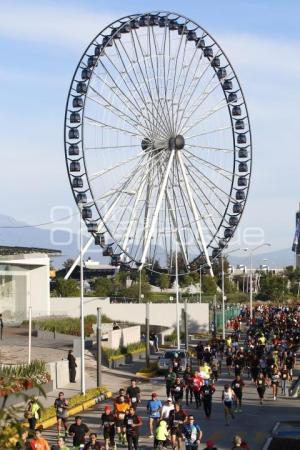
<point x="24" y="282"/>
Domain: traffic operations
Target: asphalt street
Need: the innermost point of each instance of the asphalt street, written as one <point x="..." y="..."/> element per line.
<point x="254" y="423"/>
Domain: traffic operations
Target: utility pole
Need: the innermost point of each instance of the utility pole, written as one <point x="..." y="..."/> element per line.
<point x="99" y="356"/>
<point x="147" y="334"/>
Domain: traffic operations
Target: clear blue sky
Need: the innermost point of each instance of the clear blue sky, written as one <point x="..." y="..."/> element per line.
<point x="40" y="44"/>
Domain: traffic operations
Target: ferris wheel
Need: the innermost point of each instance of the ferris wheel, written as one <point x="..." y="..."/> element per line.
<point x="158" y="142"/>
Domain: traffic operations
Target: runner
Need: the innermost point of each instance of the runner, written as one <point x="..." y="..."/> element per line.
<point x="170" y="379"/>
<point x="177" y="390"/>
<point x="167" y="408"/>
<point x="188" y="384"/>
<point x="192" y="434"/>
<point x="161" y="435"/>
<point x="228" y="396"/>
<point x="237" y="387"/>
<point x="176" y="420"/>
<point x="154" y="407"/>
<point x="229" y="363"/>
<point x="61" y="445"/>
<point x="284" y="374"/>
<point x="121" y="407"/>
<point x="38" y="442"/>
<point x="275" y="378"/>
<point x="132" y="423"/>
<point x="61" y="407"/>
<point x="92" y="443"/>
<point x="134" y="393"/>
<point x="261" y="387"/>
<point x="197" y="383"/>
<point x="78" y="430"/>
<point x="108" y="424"/>
<point x="207" y="391"/>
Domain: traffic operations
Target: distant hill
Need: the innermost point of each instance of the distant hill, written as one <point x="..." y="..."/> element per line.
<point x="275" y="259"/>
<point x="67" y="243"/>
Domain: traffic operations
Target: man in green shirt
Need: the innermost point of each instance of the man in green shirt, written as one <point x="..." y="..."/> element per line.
<point x="170" y="379"/>
<point x="61" y="445"/>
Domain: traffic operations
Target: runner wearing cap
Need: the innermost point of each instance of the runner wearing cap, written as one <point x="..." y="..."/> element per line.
<point x="166" y="409"/>
<point x="192" y="434"/>
<point x="154" y="407"/>
<point x="108" y="424"/>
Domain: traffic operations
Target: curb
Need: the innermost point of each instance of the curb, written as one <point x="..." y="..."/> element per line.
<point x="77" y="409"/>
<point x="147" y="375"/>
<point x="267" y="443"/>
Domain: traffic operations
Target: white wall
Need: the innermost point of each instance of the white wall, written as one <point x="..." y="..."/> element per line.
<point x="163" y="314"/>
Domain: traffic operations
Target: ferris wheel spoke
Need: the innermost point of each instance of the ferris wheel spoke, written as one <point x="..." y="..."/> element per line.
<point x="215" y="167"/>
<point x="156" y="78"/>
<point x="135" y="123"/>
<point x="196" y="182"/>
<point x="185" y="202"/>
<point x="98" y="123"/>
<point x="174" y="78"/>
<point x="173" y="216"/>
<point x="115" y="89"/>
<point x="163" y="98"/>
<point x="216" y="130"/>
<point x="194" y="210"/>
<point x="109" y="147"/>
<point x="215" y="109"/>
<point x="136" y="86"/>
<point x="190" y="93"/>
<point x="157" y="207"/>
<point x="192" y="60"/>
<point x="141" y="93"/>
<point x="159" y="119"/>
<point x="207" y="90"/>
<point x="214" y="188"/>
<point x="218" y="149"/>
<point x="202" y="217"/>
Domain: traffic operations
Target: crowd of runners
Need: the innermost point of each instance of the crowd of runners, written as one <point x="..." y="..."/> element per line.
<point x="262" y="351"/>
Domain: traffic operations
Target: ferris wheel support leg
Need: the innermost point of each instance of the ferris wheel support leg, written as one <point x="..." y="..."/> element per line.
<point x="195" y="212"/>
<point x="175" y="225"/>
<point x="157" y="208"/>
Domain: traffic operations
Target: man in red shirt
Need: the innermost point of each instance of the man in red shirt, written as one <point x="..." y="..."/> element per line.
<point x="197" y="384"/>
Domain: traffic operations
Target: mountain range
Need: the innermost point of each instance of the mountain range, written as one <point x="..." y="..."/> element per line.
<point x="17" y="233"/>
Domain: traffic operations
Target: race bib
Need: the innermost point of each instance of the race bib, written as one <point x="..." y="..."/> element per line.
<point x="133" y="400"/>
<point x="129" y="421"/>
<point x="177" y="389"/>
<point x="121" y="416"/>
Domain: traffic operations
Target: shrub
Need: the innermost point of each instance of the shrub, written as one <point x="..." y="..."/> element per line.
<point x="152" y="368"/>
<point x="69" y="325"/>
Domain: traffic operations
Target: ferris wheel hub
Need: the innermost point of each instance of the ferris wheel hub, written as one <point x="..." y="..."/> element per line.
<point x="176" y="143"/>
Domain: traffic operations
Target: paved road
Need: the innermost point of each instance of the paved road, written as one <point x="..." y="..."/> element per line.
<point x="254" y="423"/>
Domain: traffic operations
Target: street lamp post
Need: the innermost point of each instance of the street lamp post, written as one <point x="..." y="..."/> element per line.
<point x="177" y="296"/>
<point x="251" y="251"/>
<point x="82" y="369"/>
<point x="223" y="296"/>
<point x="200" y="284"/>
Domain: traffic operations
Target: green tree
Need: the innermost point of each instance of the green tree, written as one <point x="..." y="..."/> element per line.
<point x="67" y="288"/>
<point x="103" y="287"/>
<point x="273" y="288"/>
<point x="68" y="263"/>
<point x="163" y="281"/>
<point x="209" y="285"/>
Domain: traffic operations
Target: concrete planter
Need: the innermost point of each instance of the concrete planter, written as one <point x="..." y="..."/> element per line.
<point x="14" y="399"/>
<point x="77" y="409"/>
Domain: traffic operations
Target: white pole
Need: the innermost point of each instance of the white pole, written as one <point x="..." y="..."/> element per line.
<point x="29" y="333"/>
<point x="200" y="284"/>
<point x="82" y="378"/>
<point x="223" y="296"/>
<point x="177" y="296"/>
<point x="251" y="290"/>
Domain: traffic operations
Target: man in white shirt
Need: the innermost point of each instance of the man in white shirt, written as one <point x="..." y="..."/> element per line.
<point x="167" y="408"/>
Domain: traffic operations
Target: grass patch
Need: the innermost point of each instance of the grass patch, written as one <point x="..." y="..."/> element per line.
<point x="68" y="325"/>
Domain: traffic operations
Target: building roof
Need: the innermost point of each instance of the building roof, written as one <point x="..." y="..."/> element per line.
<point x="12" y="250"/>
